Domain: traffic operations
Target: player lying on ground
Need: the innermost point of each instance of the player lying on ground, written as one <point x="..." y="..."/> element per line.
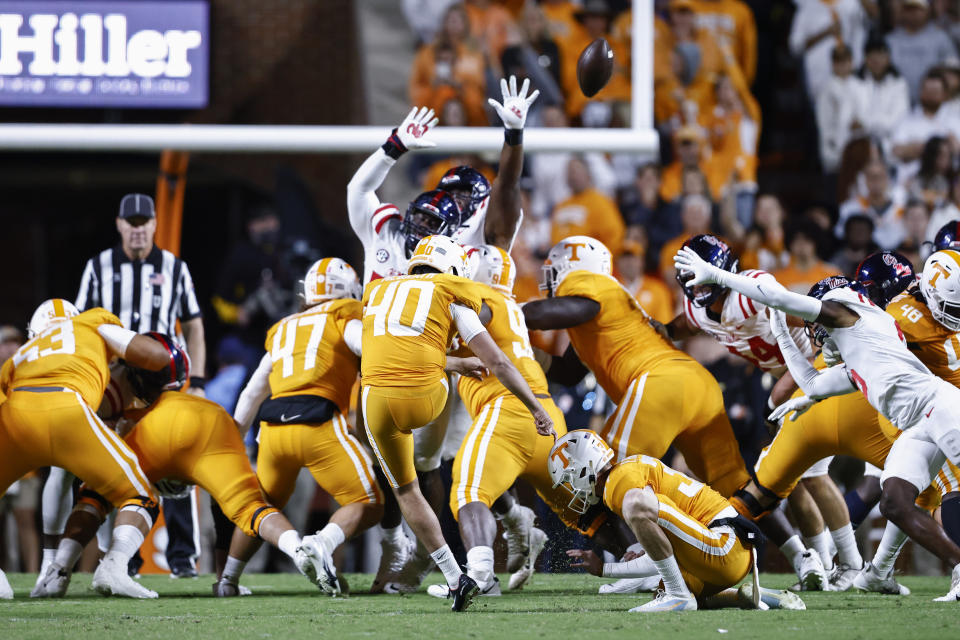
<point x="876" y="360"/>
<point x="663" y="395"/>
<point x="482" y="214"/>
<point x="741" y="325"/>
<point x="692" y="537"/>
<point x="408" y="324"/>
<point x="183" y="440"/>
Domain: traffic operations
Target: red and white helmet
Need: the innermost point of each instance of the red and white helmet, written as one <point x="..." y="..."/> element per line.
<point x="495" y="268"/>
<point x="576" y="253"/>
<point x="575" y="461"/>
<point x="330" y="279"/>
<point x="48" y="313"/>
<point x="441" y="253"/>
<point x="940" y="284"/>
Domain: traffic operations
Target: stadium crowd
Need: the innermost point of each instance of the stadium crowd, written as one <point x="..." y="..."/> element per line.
<point x="881" y="80"/>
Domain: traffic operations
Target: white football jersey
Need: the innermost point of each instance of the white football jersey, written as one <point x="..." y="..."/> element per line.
<point x="875" y="354"/>
<point x="744" y="329"/>
<point x="384" y="254"/>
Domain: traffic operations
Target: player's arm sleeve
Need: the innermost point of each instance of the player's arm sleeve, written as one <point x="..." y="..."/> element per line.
<point x="832" y="381"/>
<point x="89" y="286"/>
<point x="117" y="338"/>
<point x="352" y="335"/>
<point x="765" y="289"/>
<point x="467" y="321"/>
<point x="253" y="395"/>
<point x="362" y="199"/>
<point x="189" y="307"/>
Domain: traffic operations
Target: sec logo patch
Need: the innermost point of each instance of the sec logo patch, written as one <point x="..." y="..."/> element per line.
<point x="382" y="255"/>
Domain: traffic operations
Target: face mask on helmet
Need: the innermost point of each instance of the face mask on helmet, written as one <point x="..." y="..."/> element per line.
<point x="884" y="275"/>
<point x="467" y="186"/>
<point x="714" y="251"/>
<point x="148" y="385"/>
<point x="814" y="330"/>
<point x="431" y="213"/>
<point x="575" y="462"/>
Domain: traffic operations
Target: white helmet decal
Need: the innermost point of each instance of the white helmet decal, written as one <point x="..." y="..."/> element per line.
<point x="48" y="313"/>
<point x="940" y="284"/>
<point x="329" y="279"/>
<point x="576" y="253"/>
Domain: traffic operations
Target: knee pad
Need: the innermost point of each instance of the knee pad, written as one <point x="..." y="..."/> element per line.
<point x="147" y="507"/>
<point x="94" y="503"/>
<point x="749" y="507"/>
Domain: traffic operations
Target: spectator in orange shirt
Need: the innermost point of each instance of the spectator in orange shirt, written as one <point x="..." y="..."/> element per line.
<point x="805" y="268"/>
<point x="560" y="17"/>
<point x="649" y="290"/>
<point x="732" y="24"/>
<point x="587" y="212"/>
<point x="696" y="213"/>
<point x="489" y="23"/>
<point x="688" y="145"/>
<point x="450" y="68"/>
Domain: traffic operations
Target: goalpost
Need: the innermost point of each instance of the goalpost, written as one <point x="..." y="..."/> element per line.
<point x="640" y="137"/>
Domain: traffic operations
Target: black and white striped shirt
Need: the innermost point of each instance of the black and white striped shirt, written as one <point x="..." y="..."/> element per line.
<point x="147" y="295"/>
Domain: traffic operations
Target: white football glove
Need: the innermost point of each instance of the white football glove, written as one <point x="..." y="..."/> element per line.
<point x="515" y="105"/>
<point x="778" y="322"/>
<point x="689" y="262"/>
<point x="831" y="354"/>
<point x="412" y="132"/>
<point x="799" y="406"/>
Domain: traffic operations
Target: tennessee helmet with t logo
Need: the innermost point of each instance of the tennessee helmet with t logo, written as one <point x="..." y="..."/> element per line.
<point x="329" y="279"/>
<point x="575" y="461"/>
<point x="495" y="268"/>
<point x="576" y="253"/>
<point x="48" y="313"/>
<point x="940" y="285"/>
<point x="441" y="253"/>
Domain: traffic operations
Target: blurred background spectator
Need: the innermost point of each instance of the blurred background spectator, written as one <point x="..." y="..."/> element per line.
<point x="917" y="44"/>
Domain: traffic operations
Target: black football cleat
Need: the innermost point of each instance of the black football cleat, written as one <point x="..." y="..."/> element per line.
<point x="464" y="593"/>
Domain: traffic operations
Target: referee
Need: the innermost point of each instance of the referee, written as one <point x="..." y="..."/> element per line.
<point x="149" y="289"/>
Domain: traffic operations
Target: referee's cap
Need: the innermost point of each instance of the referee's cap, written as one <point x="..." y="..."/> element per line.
<point x="136" y="205"/>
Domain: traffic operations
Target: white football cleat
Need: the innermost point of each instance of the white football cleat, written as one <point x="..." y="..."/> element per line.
<point x="53" y="583"/>
<point x="772" y="598"/>
<point x="842" y="576"/>
<point x="538" y="539"/>
<point x="664" y="602"/>
<point x="111" y="579"/>
<point x="632" y="585"/>
<point x="810" y="570"/>
<point x="518" y="539"/>
<point x="6" y="592"/>
<point x="954" y="594"/>
<point x="393" y="557"/>
<point x="316" y="563"/>
<point x="411" y="576"/>
<point x="869" y="579"/>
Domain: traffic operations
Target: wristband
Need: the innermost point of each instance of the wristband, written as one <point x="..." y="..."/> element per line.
<point x="513" y="137"/>
<point x="197" y="382"/>
<point x="393" y="147"/>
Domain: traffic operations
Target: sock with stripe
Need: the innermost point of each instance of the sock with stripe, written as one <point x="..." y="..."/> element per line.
<point x="448" y="565"/>
<point x="672" y="578"/>
<point x="890" y="544"/>
<point x="847" y="551"/>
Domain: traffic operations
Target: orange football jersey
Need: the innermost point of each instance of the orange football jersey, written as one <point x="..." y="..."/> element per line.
<point x="508" y="329"/>
<point x="70" y="354"/>
<point x="619" y="343"/>
<point x="694" y="498"/>
<point x="310" y="355"/>
<point x="408" y="326"/>
<point x="936" y="346"/>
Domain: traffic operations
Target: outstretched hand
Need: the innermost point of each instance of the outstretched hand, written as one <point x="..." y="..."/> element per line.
<point x="693" y="269"/>
<point x="798" y="406"/>
<point x="413" y="131"/>
<point x="587" y="560"/>
<point x="513" y="111"/>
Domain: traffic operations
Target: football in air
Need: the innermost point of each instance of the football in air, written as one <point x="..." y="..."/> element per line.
<point x="595" y="67"/>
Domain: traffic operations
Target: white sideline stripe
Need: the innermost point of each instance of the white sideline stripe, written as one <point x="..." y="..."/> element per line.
<point x="373" y="442"/>
<point x="693" y="524"/>
<point x="98" y="429"/>
<point x="611" y="434"/>
<point x="484" y="445"/>
<point x="465" y="457"/>
<point x="340" y="428"/>
<point x="628" y="426"/>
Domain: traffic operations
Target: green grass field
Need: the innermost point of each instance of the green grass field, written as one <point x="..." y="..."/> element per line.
<point x="553" y="606"/>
